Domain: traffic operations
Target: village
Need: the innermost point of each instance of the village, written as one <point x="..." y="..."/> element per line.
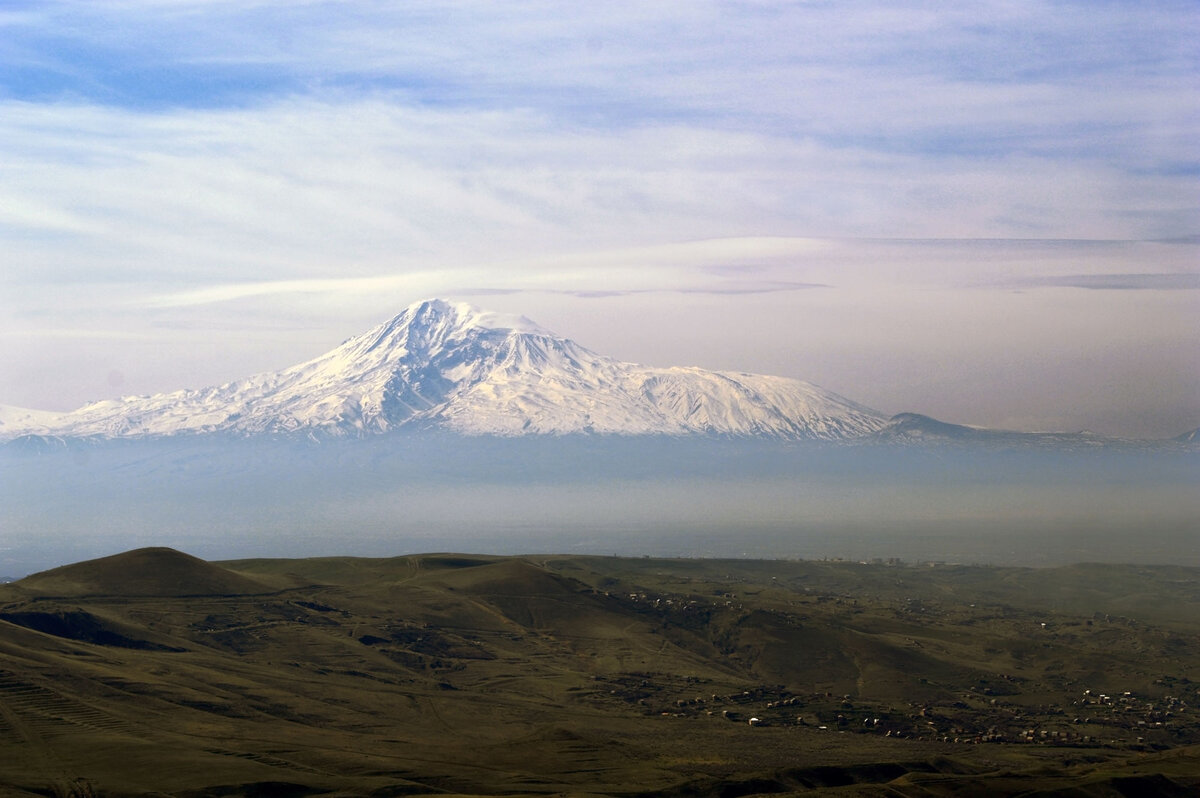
<point x="1009" y="709"/>
<point x="1125" y="721"/>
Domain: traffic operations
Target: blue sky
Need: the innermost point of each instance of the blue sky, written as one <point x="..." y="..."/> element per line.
<point x="996" y="202"/>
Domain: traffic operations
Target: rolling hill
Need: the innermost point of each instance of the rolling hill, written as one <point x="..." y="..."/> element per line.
<point x="451" y="674"/>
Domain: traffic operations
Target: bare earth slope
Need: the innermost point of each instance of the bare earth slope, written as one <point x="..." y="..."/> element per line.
<point x="481" y="675"/>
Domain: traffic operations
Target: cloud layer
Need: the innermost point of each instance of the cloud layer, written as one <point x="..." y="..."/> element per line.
<point x="290" y="173"/>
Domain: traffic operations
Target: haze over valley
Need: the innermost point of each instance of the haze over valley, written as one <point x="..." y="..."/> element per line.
<point x="453" y="428"/>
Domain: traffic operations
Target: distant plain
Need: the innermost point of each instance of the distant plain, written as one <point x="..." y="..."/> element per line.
<point x="598" y="495"/>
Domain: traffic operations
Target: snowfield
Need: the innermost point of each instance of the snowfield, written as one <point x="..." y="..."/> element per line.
<point x="450" y="366"/>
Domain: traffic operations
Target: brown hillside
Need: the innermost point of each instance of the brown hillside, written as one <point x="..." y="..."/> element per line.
<point x="515" y="577"/>
<point x="142" y="572"/>
<point x="152" y="673"/>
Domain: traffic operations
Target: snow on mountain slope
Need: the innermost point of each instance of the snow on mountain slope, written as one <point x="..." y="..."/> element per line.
<point x="452" y="366"/>
<point x="26" y="421"/>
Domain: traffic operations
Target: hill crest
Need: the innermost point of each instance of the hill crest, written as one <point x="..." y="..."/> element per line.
<point x="147" y="572"/>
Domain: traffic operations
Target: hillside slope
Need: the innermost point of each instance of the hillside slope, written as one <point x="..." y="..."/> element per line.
<point x="485" y="675"/>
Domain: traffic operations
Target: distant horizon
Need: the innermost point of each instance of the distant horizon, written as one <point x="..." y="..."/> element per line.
<point x="873" y="560"/>
<point x="602" y="495"/>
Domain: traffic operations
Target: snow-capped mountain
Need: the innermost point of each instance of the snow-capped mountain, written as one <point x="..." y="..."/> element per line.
<point x="22" y="420"/>
<point x="441" y="365"/>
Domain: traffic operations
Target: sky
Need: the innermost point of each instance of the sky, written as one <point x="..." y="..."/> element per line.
<point x="985" y="212"/>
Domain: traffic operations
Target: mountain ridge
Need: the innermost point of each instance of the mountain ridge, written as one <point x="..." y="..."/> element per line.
<point x="454" y="367"/>
<point x="451" y="367"/>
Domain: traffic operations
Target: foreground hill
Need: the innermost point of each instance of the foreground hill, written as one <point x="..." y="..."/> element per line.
<point x="483" y="675"/>
<point x="158" y="572"/>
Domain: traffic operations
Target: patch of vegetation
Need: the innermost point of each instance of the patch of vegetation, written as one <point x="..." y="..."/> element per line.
<point x="477" y="675"/>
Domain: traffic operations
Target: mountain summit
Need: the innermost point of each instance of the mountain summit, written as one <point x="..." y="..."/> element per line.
<point x="451" y="366"/>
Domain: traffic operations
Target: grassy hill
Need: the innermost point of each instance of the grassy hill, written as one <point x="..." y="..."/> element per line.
<point x="151" y="572"/>
<point x="155" y="673"/>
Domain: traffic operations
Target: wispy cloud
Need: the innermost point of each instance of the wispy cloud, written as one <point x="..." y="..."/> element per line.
<point x="1113" y="282"/>
<point x="898" y="65"/>
<point x="739" y="289"/>
<point x="713" y="266"/>
<point x="308" y="189"/>
<point x="224" y="162"/>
